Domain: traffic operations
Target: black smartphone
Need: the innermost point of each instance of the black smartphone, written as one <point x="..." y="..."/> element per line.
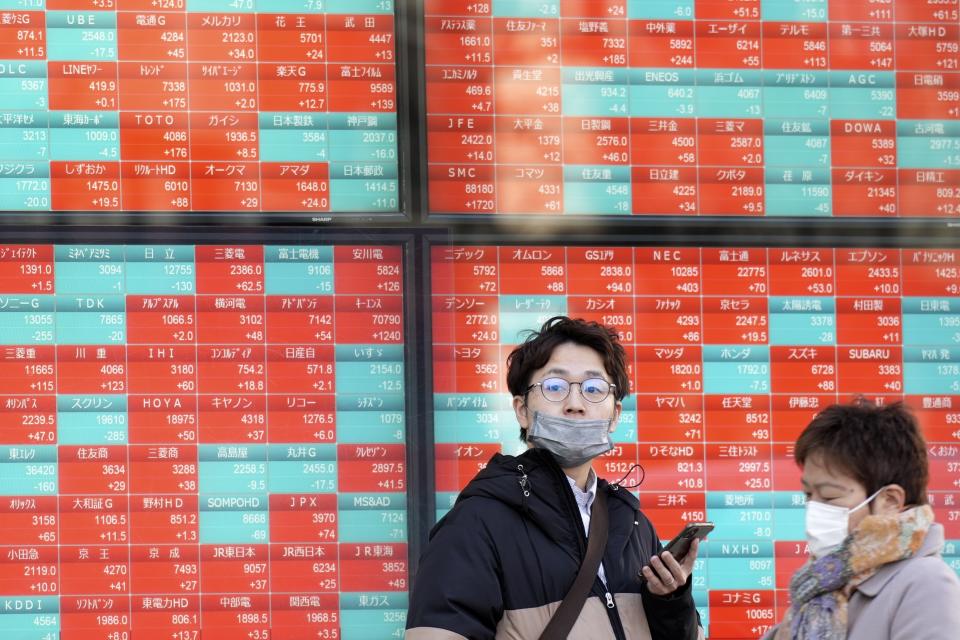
<point x="680" y="544"/>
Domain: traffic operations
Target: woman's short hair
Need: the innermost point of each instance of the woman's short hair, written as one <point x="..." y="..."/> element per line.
<point x="536" y="350"/>
<point x="875" y="445"/>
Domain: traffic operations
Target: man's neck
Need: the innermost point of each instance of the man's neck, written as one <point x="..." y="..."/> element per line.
<point x="580" y="475"/>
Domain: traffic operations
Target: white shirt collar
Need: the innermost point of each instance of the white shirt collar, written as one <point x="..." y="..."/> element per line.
<point x="585" y="498"/>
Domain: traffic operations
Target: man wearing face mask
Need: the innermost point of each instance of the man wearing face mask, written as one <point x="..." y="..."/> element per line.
<point x="875" y="571"/>
<point x="499" y="564"/>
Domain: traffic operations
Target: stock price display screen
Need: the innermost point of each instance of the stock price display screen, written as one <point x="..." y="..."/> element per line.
<point x="202" y="440"/>
<point x="731" y="352"/>
<point x="693" y="107"/>
<point x="238" y="106"/>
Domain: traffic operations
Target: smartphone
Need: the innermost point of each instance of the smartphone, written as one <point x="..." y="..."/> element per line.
<point x="680" y="544"/>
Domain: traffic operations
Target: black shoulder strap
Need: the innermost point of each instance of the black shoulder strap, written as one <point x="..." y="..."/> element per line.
<point x="566" y="615"/>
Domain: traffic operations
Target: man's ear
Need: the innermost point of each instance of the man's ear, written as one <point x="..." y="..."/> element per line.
<point x="617" y="410"/>
<point x="520" y="410"/>
<point x="892" y="499"/>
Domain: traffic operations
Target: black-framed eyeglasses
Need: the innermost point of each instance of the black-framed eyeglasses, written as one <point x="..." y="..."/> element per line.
<point x="557" y="389"/>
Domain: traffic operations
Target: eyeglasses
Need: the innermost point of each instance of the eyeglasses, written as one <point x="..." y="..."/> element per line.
<point x="557" y="389"/>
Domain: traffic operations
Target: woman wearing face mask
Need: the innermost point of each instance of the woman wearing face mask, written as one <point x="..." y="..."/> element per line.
<point x="875" y="570"/>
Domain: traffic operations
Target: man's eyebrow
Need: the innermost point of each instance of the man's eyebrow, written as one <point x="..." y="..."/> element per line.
<point x="821" y="485"/>
<point x="590" y="373"/>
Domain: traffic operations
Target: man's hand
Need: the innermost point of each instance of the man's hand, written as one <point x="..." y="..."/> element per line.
<point x="665" y="575"/>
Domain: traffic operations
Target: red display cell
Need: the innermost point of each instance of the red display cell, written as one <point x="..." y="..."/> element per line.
<point x="931" y="272"/>
<point x="229" y="269"/>
<point x="76" y="616"/>
<point x="221" y="37"/>
<point x="666" y="142"/>
<point x="229" y="137"/>
<point x="173" y="616"/>
<point x="869" y="321"/>
<point x="86" y="86"/>
<point x="529" y="91"/>
<point x="373" y="567"/>
<point x="733" y="611"/>
<point x="467" y="319"/>
<point x="289" y="612"/>
<point x="733" y="143"/>
<point x="786" y="473"/>
<point x="868" y="272"/>
<point x="91" y="370"/>
<point x="530" y="189"/>
<point x="292" y="38"/>
<point x="861" y="45"/>
<point x="613" y="311"/>
<point x="149" y="136"/>
<point x="225" y="569"/>
<point x="299" y="319"/>
<point x="94" y="520"/>
<point x="371" y="468"/>
<point x="722" y="10"/>
<point x="300" y="369"/>
<point x="459" y="90"/>
<point x="944" y="467"/>
<point x="77" y="186"/>
<point x="939" y="417"/>
<point x="596" y="141"/>
<point x="864" y="192"/>
<point x="664" y="369"/>
<point x="457" y="464"/>
<point x="455" y="41"/>
<point x="231" y="369"/>
<point x="169" y="570"/>
<point x="798" y="370"/>
<point x="159" y="320"/>
<point x="801" y="272"/>
<point x="26" y="268"/>
<point x="593" y="8"/>
<point x="593" y="43"/>
<point x="667" y="271"/>
<point x="162" y="418"/>
<point x="467" y="368"/>
<point x="369" y="320"/>
<point x="728" y="45"/>
<point x="29" y="521"/>
<point x="302" y="418"/>
<point x="28" y="370"/>
<point x="236" y="618"/>
<point x="620" y="464"/>
<point x="455" y="8"/>
<point x="735" y="321"/>
<point x="863" y="143"/>
<point x="792" y="45"/>
<point x="738" y="418"/>
<point x="462" y="189"/>
<point x="304" y="569"/>
<point x="304" y="89"/>
<point x="664" y="191"/>
<point x="232" y="319"/>
<point x="303" y="518"/>
<point x="153" y="36"/>
<point x="739" y="467"/>
<point x="154" y="186"/>
<point x="790" y="556"/>
<point x="881" y="11"/>
<point x="225" y="186"/>
<point x="464" y="270"/>
<point x="164" y="519"/>
<point x="929" y="192"/>
<point x="295" y="186"/>
<point x="672" y="467"/>
<point x="168" y="469"/>
<point x="735" y="271"/>
<point x="668" y="321"/>
<point x="359" y="38"/>
<point x="371" y="270"/>
<point x="460" y="139"/>
<point x="661" y="43"/>
<point x="30" y="570"/>
<point x="529" y="42"/>
<point x="946" y="512"/>
<point x="671" y="511"/>
<point x="93" y="470"/>
<point x="161" y="369"/>
<point x="533" y="270"/>
<point x="232" y="419"/>
<point x="927" y="47"/>
<point x="731" y="191"/>
<point x="29" y="420"/>
<point x="869" y="369"/>
<point x="928" y="96"/>
<point x="927" y="11"/>
<point x="24" y="36"/>
<point x="527" y="141"/>
<point x="222" y="87"/>
<point x="354" y="88"/>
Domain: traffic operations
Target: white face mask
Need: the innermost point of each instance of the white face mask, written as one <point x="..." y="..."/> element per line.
<point x="827" y="525"/>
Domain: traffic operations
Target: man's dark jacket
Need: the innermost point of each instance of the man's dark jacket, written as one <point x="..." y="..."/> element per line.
<point x="498" y="565"/>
